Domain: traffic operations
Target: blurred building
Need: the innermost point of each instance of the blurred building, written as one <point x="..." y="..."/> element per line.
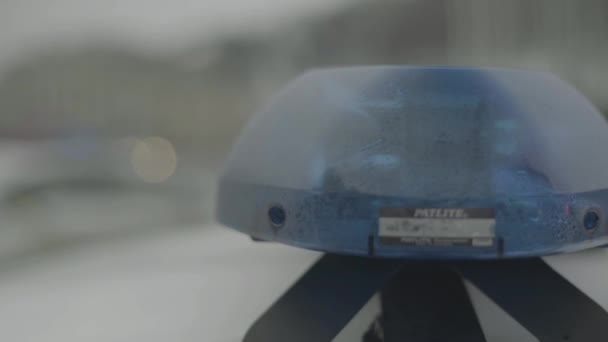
<point x="565" y="37"/>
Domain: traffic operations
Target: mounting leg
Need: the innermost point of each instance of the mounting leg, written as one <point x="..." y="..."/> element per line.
<point x="323" y="301"/>
<point x="540" y="299"/>
<point x="427" y="302"/>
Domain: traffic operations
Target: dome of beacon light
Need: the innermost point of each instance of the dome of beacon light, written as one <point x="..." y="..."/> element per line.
<point x="422" y="162"/>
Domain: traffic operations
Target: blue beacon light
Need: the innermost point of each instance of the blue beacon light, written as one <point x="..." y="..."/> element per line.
<point x="422" y="162"/>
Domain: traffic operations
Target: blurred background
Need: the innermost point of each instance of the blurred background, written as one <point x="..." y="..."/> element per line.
<point x="115" y="117"/>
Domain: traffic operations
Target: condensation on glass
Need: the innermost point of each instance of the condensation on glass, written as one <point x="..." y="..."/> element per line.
<point x="337" y="148"/>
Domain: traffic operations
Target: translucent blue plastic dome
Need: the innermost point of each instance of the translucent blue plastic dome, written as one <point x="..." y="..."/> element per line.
<point x="422" y="162"/>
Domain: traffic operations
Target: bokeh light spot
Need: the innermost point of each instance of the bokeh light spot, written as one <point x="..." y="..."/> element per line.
<point x="154" y="159"/>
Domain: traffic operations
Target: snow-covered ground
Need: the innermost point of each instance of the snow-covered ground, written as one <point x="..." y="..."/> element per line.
<point x="201" y="284"/>
<point x="205" y="283"/>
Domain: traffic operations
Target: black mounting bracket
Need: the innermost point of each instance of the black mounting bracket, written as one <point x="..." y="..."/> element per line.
<point x="426" y="301"/>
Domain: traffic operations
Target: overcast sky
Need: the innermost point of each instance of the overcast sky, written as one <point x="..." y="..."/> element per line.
<point x="155" y="26"/>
